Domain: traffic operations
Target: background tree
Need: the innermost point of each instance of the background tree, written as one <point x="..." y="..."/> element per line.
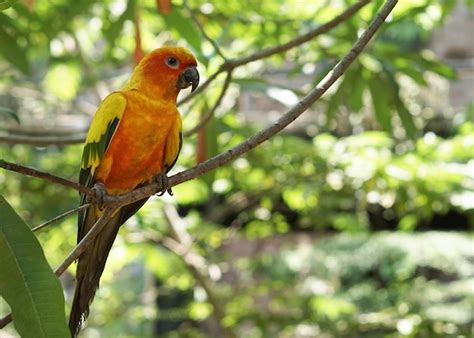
<point x="280" y="242"/>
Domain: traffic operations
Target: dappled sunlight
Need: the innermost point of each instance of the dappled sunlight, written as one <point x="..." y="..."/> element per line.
<point x="311" y="197"/>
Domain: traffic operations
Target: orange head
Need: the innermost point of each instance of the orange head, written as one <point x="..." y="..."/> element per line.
<point x="164" y="72"/>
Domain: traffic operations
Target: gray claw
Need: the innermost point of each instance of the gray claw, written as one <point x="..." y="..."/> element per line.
<point x="162" y="180"/>
<point x="100" y="194"/>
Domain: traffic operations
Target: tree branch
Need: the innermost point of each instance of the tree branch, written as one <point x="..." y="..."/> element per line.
<point x="203" y="32"/>
<point x="84" y="243"/>
<point x="44" y="141"/>
<point x="46" y="176"/>
<point x="5" y="320"/>
<point x="190" y="258"/>
<point x="231" y="154"/>
<point x="299" y="40"/>
<point x="228" y="65"/>
<point x="60" y="217"/>
<point x="203" y="121"/>
<point x="114" y="202"/>
<point x="202" y="87"/>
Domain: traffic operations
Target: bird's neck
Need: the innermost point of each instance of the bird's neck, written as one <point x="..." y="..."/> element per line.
<point x="162" y="89"/>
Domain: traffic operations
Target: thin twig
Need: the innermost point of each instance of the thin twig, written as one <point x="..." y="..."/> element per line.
<point x="84" y="243"/>
<point x="114" y="202"/>
<point x="344" y="16"/>
<point x="202" y="87"/>
<point x="190" y="257"/>
<point x="177" y="226"/>
<point x="203" y="121"/>
<point x="45" y="176"/>
<point x="283" y="121"/>
<point x="60" y="217"/>
<point x="226" y="66"/>
<point x="299" y="40"/>
<point x="42" y="141"/>
<point x="5" y="320"/>
<point x="203" y="32"/>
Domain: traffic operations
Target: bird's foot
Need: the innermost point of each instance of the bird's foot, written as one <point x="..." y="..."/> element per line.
<point x="100" y="193"/>
<point x="162" y="180"/>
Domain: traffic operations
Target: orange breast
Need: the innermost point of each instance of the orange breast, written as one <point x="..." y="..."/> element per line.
<point x="135" y="153"/>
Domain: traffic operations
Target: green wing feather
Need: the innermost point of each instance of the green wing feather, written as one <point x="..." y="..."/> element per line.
<point x="101" y="131"/>
<point x="91" y="263"/>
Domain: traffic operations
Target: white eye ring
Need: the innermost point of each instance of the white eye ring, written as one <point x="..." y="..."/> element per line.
<point x="172" y="62"/>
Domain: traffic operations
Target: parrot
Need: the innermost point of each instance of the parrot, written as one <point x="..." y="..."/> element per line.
<point x="134" y="139"/>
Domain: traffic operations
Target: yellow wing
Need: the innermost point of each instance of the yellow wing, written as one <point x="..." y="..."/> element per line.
<point x="174" y="141"/>
<point x="101" y="130"/>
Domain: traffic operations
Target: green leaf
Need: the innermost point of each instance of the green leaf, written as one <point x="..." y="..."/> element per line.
<point x="9" y="113"/>
<point x="428" y="62"/>
<point x="336" y="100"/>
<point x="421" y="61"/>
<point x="381" y="101"/>
<point x="406" y="118"/>
<point x="113" y="30"/>
<point x="186" y="30"/>
<point x="252" y="84"/>
<point x="27" y="282"/>
<point x="195" y="191"/>
<point x="414" y="74"/>
<point x="356" y="94"/>
<point x="9" y="47"/>
<point x="350" y="91"/>
<point x="211" y="150"/>
<point x="440" y="68"/>
<point x="52" y="24"/>
<point x="4" y="4"/>
<point x="376" y="7"/>
<point x="400" y="107"/>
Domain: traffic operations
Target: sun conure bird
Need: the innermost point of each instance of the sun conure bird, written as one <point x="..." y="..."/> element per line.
<point x="134" y="138"/>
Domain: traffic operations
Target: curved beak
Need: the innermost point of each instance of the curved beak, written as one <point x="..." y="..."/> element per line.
<point x="190" y="77"/>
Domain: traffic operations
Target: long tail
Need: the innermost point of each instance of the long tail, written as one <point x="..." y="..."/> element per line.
<point x="89" y="269"/>
<point x="92" y="261"/>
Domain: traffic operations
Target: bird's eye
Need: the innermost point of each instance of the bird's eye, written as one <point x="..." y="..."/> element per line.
<point x="172" y="62"/>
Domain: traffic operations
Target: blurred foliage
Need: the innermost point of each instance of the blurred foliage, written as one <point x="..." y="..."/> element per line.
<point x="348" y="176"/>
<point x="92" y="38"/>
<point x="380" y="152"/>
<point x="356" y="285"/>
<point x="9" y="113"/>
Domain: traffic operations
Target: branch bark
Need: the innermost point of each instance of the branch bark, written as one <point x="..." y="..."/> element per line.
<point x="60" y="217"/>
<point x="231" y="154"/>
<point x="203" y="121"/>
<point x="228" y="65"/>
<point x="84" y="243"/>
<point x="203" y="32"/>
<point x="42" y="141"/>
<point x="46" y="176"/>
<point x="115" y="202"/>
<point x="299" y="40"/>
